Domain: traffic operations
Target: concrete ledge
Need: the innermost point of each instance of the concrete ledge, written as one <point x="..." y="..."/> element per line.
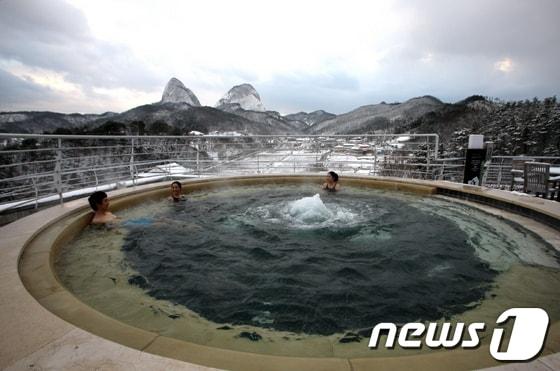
<point x="45" y="326"/>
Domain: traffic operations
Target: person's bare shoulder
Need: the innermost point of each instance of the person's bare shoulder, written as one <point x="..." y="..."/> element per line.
<point x="103" y="218"/>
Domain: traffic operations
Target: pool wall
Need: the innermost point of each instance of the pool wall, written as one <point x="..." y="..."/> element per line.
<point x="44" y="325"/>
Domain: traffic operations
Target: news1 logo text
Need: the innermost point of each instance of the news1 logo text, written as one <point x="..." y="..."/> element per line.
<point x="526" y="340"/>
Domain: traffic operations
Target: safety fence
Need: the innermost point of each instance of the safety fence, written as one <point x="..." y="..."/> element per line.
<point x="44" y="168"/>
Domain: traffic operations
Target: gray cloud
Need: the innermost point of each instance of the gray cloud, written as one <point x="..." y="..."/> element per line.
<point x="334" y="92"/>
<point x="465" y="38"/>
<point x="468" y="38"/>
<point x="20" y="94"/>
<point x="54" y="35"/>
<point x="15" y="93"/>
<point x="488" y="28"/>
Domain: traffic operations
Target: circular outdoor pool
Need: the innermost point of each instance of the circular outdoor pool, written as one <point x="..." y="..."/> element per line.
<point x="287" y="269"/>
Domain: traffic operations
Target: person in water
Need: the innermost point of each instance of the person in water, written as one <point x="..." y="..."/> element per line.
<point x="99" y="202"/>
<point x="176" y="195"/>
<point x="331" y="183"/>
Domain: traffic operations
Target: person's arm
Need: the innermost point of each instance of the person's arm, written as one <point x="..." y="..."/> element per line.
<point x="324" y="186"/>
<point x="337" y="187"/>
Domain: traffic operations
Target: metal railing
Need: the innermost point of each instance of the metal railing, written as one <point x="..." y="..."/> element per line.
<point x="451" y="169"/>
<point x="38" y="168"/>
<point x="498" y="170"/>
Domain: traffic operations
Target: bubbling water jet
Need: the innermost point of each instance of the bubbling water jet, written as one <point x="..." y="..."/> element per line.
<point x="309" y="210"/>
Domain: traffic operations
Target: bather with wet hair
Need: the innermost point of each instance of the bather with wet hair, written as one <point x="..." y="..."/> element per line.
<point x="99" y="202"/>
<point x="331" y="183"/>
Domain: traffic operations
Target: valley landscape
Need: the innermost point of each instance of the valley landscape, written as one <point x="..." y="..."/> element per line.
<point x="515" y="127"/>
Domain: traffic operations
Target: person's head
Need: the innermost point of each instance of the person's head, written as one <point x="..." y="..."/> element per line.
<point x="176" y="189"/>
<point x="99" y="201"/>
<point x="333" y="176"/>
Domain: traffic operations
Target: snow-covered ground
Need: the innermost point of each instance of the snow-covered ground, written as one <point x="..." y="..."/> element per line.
<point x="353" y="164"/>
<point x="288" y="161"/>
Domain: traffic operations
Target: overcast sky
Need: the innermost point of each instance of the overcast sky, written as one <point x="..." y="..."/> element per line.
<point x="113" y="55"/>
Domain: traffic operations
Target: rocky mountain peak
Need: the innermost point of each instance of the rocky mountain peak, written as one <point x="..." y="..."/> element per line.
<point x="245" y="96"/>
<point x="176" y="92"/>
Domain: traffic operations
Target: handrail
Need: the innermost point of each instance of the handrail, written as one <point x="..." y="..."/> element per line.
<point x="70" y="136"/>
<point x="67" y="163"/>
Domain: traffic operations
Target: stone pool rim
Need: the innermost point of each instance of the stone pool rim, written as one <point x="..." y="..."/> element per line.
<point x="41" y="234"/>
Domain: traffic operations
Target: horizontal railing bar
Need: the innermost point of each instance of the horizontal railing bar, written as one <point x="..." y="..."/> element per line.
<point x="164" y="162"/>
<point x="449" y="159"/>
<point x="16" y="151"/>
<point x="27" y="176"/>
<point x="71" y="136"/>
<point x="15" y="188"/>
<point x="95" y="147"/>
<point x="26" y="185"/>
<point x="27" y="163"/>
<point x="525" y="156"/>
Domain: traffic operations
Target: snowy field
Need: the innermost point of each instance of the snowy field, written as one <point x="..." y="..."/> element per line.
<point x="298" y="161"/>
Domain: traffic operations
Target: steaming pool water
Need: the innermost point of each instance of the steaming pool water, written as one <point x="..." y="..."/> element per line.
<point x="287" y="269"/>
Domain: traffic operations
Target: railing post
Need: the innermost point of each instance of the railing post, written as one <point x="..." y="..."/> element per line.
<point x="58" y="171"/>
<point x="488" y="162"/>
<point x="131" y="167"/>
<point x="294" y="158"/>
<point x="197" y="158"/>
<point x="499" y="177"/>
<point x="96" y="179"/>
<point x="428" y="167"/>
<point x="36" y="192"/>
<point x="316" y="149"/>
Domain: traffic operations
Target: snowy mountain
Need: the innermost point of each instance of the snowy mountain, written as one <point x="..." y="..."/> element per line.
<point x="271" y="119"/>
<point x="516" y="128"/>
<point x="522" y="127"/>
<point x="176" y="92"/>
<point x="39" y="122"/>
<point x="244" y="101"/>
<point x="377" y="116"/>
<point x="242" y="96"/>
<point x="183" y="118"/>
<point x="311" y="118"/>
